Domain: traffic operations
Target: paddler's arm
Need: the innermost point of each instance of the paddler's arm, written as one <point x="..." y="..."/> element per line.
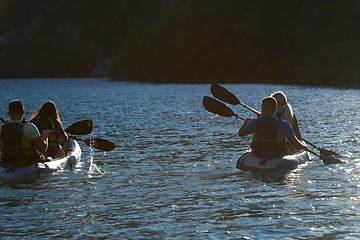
<point x="63" y="135"/>
<point x="295" y="143"/>
<point x="41" y="143"/>
<point x="242" y="132"/>
<point x="296" y="128"/>
<point x="288" y="132"/>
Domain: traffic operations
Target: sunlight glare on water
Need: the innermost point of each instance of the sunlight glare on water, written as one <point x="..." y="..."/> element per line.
<point x="173" y="173"/>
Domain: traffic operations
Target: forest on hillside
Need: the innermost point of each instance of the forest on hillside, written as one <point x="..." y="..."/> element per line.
<point x="184" y="41"/>
<point x="67" y="38"/>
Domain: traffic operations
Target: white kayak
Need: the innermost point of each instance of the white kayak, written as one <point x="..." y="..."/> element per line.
<point x="248" y="161"/>
<point x="71" y="158"/>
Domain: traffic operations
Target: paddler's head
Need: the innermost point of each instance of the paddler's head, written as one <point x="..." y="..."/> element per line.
<point x="280" y="98"/>
<point x="268" y="106"/>
<point x="16" y="110"/>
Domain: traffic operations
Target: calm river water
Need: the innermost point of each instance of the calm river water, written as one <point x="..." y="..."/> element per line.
<point x="173" y="173"/>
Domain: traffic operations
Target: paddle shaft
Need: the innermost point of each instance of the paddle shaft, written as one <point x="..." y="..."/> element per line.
<point x="251" y="109"/>
<point x="240" y="117"/>
<point x="310" y="143"/>
<point x="327" y="159"/>
<point x="101" y="144"/>
<point x="322" y="150"/>
<point x="313" y="153"/>
<point x="76" y="138"/>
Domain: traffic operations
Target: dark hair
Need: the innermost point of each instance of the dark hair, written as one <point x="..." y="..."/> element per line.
<point x="47" y="110"/>
<point x="270" y="102"/>
<point x="16" y="106"/>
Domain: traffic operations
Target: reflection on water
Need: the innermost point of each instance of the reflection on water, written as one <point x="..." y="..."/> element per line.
<point x="173" y="173"/>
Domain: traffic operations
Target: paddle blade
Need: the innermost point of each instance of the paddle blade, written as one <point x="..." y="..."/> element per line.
<point x="330" y="160"/>
<point x="101" y="144"/>
<point x="224" y="95"/>
<point x="214" y="106"/>
<point x="83" y="127"/>
<point x="326" y="152"/>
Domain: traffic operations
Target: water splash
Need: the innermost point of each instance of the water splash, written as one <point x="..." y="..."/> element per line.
<point x="93" y="167"/>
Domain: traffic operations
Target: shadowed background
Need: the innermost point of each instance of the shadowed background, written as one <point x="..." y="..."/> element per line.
<point x="184" y="41"/>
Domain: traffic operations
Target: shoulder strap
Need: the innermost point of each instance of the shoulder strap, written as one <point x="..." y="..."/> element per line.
<point x="3" y="120"/>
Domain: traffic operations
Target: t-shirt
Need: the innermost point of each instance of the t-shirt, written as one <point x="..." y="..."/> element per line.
<point x="284" y="127"/>
<point x="30" y="130"/>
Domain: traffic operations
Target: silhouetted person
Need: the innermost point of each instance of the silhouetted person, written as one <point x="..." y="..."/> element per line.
<point x="47" y="118"/>
<point x="269" y="132"/>
<point x="20" y="141"/>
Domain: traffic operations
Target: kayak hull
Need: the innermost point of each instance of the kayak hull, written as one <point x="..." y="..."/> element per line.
<point x="71" y="158"/>
<point x="248" y="161"/>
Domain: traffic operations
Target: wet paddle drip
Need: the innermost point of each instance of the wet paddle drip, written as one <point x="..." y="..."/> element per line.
<point x="93" y="167"/>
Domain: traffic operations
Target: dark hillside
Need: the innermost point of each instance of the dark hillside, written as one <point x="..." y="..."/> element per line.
<point x="53" y="38"/>
<point x="278" y="41"/>
<point x="186" y="41"/>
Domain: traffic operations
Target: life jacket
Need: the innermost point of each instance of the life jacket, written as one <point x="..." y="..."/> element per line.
<point x="280" y="114"/>
<point x="47" y="124"/>
<point x="15" y="146"/>
<point x="268" y="141"/>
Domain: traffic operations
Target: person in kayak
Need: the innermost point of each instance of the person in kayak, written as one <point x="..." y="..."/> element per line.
<point x="20" y="141"/>
<point x="269" y="132"/>
<point x="284" y="111"/>
<point x="47" y="118"/>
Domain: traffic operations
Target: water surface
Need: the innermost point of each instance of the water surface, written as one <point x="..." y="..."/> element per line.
<point x="173" y="173"/>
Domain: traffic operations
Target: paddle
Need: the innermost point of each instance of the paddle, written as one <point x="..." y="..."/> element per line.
<point x="322" y="150"/>
<point x="83" y="127"/>
<point x="216" y="107"/>
<point x="225" y="95"/>
<point x="327" y="159"/>
<point x="101" y="144"/>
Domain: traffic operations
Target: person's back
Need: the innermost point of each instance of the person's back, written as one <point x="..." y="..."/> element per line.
<point x="268" y="140"/>
<point x="15" y="145"/>
<point x="19" y="140"/>
<point x="47" y="118"/>
<point x="48" y="124"/>
<point x="43" y="123"/>
<point x="269" y="132"/>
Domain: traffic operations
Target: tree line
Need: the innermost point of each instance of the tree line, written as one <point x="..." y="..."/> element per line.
<point x="184" y="41"/>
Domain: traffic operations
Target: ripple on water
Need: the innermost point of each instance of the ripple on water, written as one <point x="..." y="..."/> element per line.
<point x="173" y="173"/>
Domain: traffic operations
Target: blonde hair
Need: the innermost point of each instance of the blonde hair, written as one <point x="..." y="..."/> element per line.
<point x="280" y="97"/>
<point x="286" y="110"/>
